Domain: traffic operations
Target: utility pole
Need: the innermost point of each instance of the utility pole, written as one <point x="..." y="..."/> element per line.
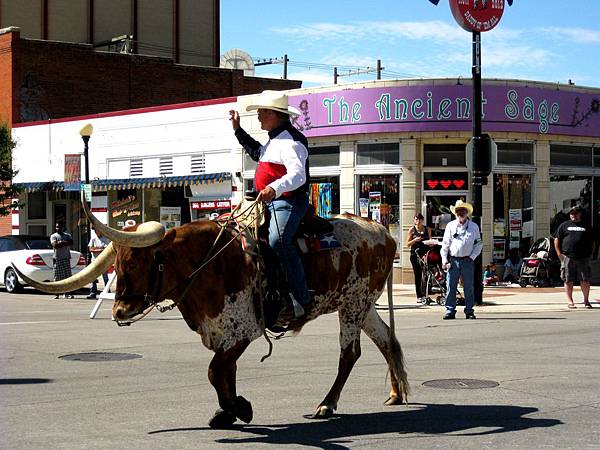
<point x="350" y="73"/>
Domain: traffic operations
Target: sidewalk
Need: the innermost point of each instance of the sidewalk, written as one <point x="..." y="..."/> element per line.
<point x="509" y="299"/>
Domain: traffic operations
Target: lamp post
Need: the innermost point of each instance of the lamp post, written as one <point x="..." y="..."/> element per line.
<point x="86" y="134"/>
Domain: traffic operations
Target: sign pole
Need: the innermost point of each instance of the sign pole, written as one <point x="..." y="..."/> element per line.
<point x="477" y="178"/>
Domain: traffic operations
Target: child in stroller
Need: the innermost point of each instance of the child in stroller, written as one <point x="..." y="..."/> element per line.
<point x="542" y="267"/>
<point x="434" y="278"/>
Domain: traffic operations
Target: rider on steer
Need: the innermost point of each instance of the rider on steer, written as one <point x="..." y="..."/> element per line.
<point x="281" y="179"/>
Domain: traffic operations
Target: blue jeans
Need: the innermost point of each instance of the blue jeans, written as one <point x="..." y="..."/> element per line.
<point x="286" y="214"/>
<point x="457" y="268"/>
<point x="94" y="289"/>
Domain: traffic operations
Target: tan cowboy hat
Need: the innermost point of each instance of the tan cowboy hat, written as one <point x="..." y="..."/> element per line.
<point x="464" y="205"/>
<point x="275" y="100"/>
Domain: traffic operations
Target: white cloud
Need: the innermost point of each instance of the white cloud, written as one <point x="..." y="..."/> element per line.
<point x="579" y="35"/>
<point x="376" y="30"/>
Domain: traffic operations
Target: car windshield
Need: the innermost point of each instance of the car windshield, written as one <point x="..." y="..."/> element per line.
<point x="37" y="244"/>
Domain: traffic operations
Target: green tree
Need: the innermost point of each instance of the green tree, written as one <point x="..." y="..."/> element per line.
<point x="7" y="190"/>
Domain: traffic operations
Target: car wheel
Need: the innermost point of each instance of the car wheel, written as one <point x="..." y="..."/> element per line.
<point x="11" y="282"/>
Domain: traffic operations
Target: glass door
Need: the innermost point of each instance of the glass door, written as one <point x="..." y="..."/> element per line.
<point x="437" y="210"/>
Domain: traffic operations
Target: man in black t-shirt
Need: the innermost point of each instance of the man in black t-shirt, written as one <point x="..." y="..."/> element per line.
<point x="574" y="246"/>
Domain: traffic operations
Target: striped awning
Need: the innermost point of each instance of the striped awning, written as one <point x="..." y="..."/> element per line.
<point x="41" y="186"/>
<point x="132" y="183"/>
<point x="159" y="182"/>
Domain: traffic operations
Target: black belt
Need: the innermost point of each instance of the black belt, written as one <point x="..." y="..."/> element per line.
<point x="460" y="257"/>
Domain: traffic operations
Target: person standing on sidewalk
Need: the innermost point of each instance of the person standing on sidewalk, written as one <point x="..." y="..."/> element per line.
<point x="574" y="246"/>
<point x="61" y="242"/>
<point x="460" y="246"/>
<point x="97" y="244"/>
<point x="415" y="240"/>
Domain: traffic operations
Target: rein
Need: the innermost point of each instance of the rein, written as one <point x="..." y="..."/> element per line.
<point x="158" y="268"/>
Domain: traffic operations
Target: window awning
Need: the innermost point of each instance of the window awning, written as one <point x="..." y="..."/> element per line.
<point x="159" y="182"/>
<point x="132" y="183"/>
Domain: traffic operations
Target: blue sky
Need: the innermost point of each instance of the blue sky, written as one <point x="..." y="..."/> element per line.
<point x="536" y="39"/>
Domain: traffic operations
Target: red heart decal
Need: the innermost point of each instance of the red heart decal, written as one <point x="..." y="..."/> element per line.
<point x="432" y="183"/>
<point x="458" y="183"/>
<point x="445" y="183"/>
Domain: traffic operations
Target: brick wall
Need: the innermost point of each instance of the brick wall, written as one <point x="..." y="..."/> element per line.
<point x="6" y="67"/>
<point x="56" y="79"/>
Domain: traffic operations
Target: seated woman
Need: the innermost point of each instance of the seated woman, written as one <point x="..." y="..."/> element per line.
<point x="490" y="277"/>
<point x="512" y="266"/>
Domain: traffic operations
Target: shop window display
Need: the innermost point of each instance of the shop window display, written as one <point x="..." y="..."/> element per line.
<point x="513" y="226"/>
<point x="124" y="205"/>
<point x="567" y="191"/>
<point x="379" y="200"/>
<point x="324" y="195"/>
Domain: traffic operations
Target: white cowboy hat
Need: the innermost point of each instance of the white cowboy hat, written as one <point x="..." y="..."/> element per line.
<point x="464" y="205"/>
<point x="275" y="100"/>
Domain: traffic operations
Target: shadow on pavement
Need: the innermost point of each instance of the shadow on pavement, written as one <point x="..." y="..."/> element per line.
<point x="24" y="380"/>
<point x="430" y="419"/>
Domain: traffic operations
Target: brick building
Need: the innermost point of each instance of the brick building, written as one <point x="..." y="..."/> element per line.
<point x="187" y="31"/>
<point x="47" y="80"/>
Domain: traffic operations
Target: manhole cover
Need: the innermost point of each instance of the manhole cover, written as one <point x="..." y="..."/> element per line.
<point x="461" y="383"/>
<point x="99" y="356"/>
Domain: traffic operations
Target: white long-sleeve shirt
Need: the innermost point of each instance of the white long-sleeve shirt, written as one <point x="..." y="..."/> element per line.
<point x="461" y="240"/>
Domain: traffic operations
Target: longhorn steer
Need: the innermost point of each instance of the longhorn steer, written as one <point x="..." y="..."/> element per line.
<point x="222" y="304"/>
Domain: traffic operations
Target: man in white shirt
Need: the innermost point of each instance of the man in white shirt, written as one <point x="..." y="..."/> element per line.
<point x="460" y="246"/>
<point x="97" y="244"/>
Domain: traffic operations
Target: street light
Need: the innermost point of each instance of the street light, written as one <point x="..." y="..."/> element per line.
<point x="86" y="134"/>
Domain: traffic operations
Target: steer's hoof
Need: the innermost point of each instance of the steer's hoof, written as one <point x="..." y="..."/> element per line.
<point x="243" y="409"/>
<point x="322" y="412"/>
<point x="221" y="419"/>
<point x="393" y="400"/>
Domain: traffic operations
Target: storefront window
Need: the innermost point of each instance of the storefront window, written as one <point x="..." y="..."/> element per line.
<point x="124" y="205"/>
<point x="36" y="205"/>
<point x="436" y="155"/>
<point x="567" y="191"/>
<point x="596" y="216"/>
<point x="324" y="156"/>
<point x="513" y="214"/>
<point x="514" y="153"/>
<point x="378" y="153"/>
<point x="379" y="200"/>
<point x="324" y="195"/>
<point x="570" y="155"/>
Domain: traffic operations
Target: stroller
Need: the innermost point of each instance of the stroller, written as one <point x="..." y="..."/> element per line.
<point x="433" y="279"/>
<point x="542" y="267"/>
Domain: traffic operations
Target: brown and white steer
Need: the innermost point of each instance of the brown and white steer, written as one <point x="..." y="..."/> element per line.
<point x="222" y="308"/>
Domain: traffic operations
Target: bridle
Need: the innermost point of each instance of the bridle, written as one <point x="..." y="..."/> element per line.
<point x="151" y="301"/>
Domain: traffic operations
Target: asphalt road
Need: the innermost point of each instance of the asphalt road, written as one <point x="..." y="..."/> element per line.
<point x="546" y="364"/>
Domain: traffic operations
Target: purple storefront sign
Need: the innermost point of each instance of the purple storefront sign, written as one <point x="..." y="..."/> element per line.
<point x="515" y="108"/>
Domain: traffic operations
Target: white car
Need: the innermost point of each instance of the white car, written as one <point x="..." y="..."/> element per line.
<point x="32" y="255"/>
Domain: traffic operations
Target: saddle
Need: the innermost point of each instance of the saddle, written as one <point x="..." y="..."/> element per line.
<point x="314" y="234"/>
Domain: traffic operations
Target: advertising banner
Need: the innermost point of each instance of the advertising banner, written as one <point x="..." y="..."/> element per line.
<point x="72" y="172"/>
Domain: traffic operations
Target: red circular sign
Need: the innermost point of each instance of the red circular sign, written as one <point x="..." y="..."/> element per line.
<point x="477" y="15"/>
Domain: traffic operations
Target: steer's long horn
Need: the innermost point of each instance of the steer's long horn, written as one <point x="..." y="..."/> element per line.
<point x="147" y="234"/>
<point x="87" y="275"/>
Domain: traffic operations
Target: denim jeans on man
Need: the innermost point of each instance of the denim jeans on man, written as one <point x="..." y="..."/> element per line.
<point x="286" y="214"/>
<point x="94" y="289"/>
<point x="458" y="267"/>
